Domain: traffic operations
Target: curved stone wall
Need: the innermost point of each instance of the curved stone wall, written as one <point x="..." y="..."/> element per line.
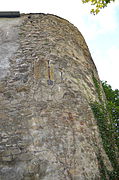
<point x="47" y="128"/>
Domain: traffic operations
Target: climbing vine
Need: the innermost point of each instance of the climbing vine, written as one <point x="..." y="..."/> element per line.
<point x="107" y="116"/>
<point x="97" y="87"/>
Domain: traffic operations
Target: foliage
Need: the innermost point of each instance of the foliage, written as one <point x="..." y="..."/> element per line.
<point x="107" y="116"/>
<point x="97" y="87"/>
<point x="99" y="4"/>
<point x="107" y="130"/>
<point x="111" y="95"/>
<point x="113" y="107"/>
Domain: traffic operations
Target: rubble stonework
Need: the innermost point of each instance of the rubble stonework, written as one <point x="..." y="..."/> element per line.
<point x="47" y="128"/>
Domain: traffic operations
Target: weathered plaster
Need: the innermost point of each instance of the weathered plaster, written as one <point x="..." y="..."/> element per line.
<point x="8" y="42"/>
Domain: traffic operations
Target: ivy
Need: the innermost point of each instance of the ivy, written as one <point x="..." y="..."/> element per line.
<point x="97" y="87"/>
<point x="107" y="116"/>
<point x="106" y="128"/>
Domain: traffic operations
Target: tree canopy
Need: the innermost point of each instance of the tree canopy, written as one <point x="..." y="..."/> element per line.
<point x="98" y="4"/>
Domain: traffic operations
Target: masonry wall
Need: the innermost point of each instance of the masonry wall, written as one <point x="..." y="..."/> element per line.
<point x="47" y="128"/>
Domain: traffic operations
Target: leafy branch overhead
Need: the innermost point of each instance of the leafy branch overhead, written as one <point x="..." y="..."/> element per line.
<point x="98" y="4"/>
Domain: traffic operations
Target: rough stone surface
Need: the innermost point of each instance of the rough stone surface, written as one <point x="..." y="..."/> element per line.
<point x="47" y="128"/>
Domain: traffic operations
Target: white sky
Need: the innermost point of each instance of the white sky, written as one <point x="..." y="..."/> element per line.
<point x="101" y="32"/>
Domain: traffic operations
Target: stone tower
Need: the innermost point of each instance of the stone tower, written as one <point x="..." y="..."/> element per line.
<point x="47" y="128"/>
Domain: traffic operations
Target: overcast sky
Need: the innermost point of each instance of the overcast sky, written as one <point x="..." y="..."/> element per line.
<point x="101" y="32"/>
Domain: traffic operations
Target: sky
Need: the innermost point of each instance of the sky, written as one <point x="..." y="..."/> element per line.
<point x="101" y="32"/>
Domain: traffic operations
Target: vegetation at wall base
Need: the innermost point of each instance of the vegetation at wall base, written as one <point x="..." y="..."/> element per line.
<point x="107" y="116"/>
